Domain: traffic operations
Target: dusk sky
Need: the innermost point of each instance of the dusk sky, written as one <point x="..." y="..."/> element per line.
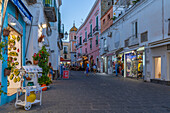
<point x="75" y="10"/>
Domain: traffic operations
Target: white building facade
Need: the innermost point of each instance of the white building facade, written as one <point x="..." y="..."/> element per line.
<point x="139" y="37"/>
<point x="48" y="28"/>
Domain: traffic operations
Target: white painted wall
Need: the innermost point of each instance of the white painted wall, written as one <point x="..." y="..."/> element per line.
<point x="149" y="15"/>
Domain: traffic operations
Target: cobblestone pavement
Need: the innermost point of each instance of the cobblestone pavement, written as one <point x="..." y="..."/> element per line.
<point x="100" y="93"/>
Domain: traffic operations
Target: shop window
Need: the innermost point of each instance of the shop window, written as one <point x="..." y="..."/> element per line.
<point x="14" y="55"/>
<point x="131" y="64"/>
<point x="157" y="67"/>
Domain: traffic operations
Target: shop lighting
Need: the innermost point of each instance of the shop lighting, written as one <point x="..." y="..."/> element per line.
<point x="44" y="25"/>
<point x="13" y="24"/>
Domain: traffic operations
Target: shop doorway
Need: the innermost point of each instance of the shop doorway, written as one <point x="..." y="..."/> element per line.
<point x="157" y="61"/>
<point x="15" y="58"/>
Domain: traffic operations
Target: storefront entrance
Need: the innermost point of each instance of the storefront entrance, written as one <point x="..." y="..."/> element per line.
<point x="157" y="61"/>
<point x="15" y="60"/>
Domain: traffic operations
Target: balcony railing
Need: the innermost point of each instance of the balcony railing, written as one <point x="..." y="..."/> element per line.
<point x="133" y="40"/>
<point x="85" y="40"/>
<point x="121" y="7"/>
<point x="95" y="30"/>
<point x="90" y="35"/>
<point x="50" y="10"/>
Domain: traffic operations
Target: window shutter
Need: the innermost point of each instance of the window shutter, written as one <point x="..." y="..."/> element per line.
<point x="169" y="27"/>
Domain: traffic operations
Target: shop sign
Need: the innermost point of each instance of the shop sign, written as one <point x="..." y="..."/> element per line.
<point x="17" y="27"/>
<point x="22" y="8"/>
<point x="66" y="74"/>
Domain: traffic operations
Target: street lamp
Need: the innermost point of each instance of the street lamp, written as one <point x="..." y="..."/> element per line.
<point x="66" y="35"/>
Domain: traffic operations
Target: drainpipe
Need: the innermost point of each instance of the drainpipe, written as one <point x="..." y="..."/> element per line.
<point x="163" y="19"/>
<point x="28" y="37"/>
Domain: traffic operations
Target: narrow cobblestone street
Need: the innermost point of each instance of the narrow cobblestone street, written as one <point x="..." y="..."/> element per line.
<point x="100" y="93"/>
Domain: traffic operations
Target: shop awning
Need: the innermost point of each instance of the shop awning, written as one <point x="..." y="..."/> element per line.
<point x="22" y="8"/>
<point x="110" y="53"/>
<point x="118" y="51"/>
<point x="61" y="59"/>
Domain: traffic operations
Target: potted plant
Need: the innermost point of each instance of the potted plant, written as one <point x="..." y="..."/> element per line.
<point x="43" y="60"/>
<point x="114" y="18"/>
<point x="44" y="81"/>
<point x="35" y="59"/>
<point x="7" y="70"/>
<point x="6" y="32"/>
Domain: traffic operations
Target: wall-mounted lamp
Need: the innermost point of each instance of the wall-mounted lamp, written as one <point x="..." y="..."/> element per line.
<point x="66" y="35"/>
<point x="43" y="25"/>
<point x="13" y="24"/>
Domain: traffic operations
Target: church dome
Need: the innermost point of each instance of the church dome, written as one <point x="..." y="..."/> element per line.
<point x="73" y="28"/>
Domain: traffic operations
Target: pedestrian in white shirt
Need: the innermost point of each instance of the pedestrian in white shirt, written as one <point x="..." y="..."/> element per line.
<point x="94" y="68"/>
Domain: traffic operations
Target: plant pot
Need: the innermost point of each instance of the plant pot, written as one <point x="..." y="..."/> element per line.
<point x="6" y="32"/>
<point x="35" y="62"/>
<point x="28" y="78"/>
<point x="7" y="72"/>
<point x="44" y="89"/>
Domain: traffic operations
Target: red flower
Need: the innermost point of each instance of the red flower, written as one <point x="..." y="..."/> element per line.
<point x="40" y="55"/>
<point x="42" y="52"/>
<point x="0" y="83"/>
<point x="34" y="54"/>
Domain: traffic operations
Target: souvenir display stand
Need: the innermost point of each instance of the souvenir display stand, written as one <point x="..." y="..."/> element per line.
<point x="33" y="72"/>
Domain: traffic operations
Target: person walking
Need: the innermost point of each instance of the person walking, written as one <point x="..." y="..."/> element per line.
<point x="116" y="68"/>
<point x="51" y="71"/>
<point x="87" y="70"/>
<point x="94" y="68"/>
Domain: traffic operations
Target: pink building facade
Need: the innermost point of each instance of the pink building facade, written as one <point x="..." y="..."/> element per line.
<point x="88" y="38"/>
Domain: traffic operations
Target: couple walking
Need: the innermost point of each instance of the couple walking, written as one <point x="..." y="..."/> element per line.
<point x="94" y="69"/>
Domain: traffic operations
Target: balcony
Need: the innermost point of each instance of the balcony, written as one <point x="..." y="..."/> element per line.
<point x="30" y="2"/>
<point x="80" y="45"/>
<point x="133" y="40"/>
<point x="85" y="41"/>
<point x="77" y="46"/>
<point x="50" y="10"/>
<point x="104" y="50"/>
<point x="90" y="36"/>
<point x="96" y="30"/>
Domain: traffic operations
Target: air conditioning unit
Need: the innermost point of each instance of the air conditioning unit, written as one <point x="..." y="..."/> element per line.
<point x="30" y="2"/>
<point x="109" y="34"/>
